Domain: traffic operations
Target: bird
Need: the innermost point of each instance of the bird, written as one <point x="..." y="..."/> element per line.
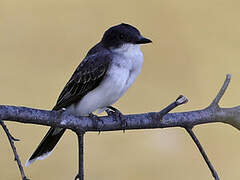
<point x="103" y="76"/>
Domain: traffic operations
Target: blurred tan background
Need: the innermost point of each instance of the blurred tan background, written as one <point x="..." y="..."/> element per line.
<point x="195" y="43"/>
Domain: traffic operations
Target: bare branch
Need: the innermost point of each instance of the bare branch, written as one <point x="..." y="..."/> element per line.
<point x="16" y="157"/>
<point x="150" y="120"/>
<point x="80" y="175"/>
<point x="222" y="90"/>
<point x="200" y="148"/>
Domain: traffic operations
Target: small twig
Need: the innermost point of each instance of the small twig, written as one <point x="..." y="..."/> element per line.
<point x="16" y="157"/>
<point x="200" y="148"/>
<point x="14" y="139"/>
<point x="80" y="175"/>
<point x="221" y="91"/>
<point x="179" y="101"/>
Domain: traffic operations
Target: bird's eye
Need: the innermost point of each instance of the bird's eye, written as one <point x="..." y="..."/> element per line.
<point x="121" y="36"/>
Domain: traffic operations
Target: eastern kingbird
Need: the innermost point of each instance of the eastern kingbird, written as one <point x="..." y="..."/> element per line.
<point x="104" y="75"/>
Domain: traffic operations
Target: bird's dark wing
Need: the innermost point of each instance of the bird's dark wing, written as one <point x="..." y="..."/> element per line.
<point x="88" y="75"/>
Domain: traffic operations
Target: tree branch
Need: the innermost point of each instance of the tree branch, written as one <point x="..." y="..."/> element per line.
<point x="80" y="175"/>
<point x="204" y="155"/>
<point x="221" y="91"/>
<point x="150" y="120"/>
<point x="11" y="140"/>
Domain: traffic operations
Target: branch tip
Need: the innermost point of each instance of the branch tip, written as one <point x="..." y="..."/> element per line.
<point x="181" y="100"/>
<point x="228" y="76"/>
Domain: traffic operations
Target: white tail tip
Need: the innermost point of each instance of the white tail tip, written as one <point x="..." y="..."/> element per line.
<point x="45" y="155"/>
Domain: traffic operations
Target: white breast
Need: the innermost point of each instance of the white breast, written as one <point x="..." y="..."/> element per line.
<point x="125" y="67"/>
<point x="130" y="58"/>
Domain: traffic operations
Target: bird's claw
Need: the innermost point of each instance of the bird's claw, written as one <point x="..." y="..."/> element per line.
<point x="95" y="120"/>
<point x="111" y="111"/>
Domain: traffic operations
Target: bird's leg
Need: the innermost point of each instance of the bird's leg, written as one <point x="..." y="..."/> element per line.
<point x="112" y="111"/>
<point x="95" y="120"/>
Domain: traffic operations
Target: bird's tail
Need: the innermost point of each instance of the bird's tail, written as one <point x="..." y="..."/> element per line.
<point x="47" y="145"/>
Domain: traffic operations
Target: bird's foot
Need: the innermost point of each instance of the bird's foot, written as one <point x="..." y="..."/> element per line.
<point x="95" y="120"/>
<point x="112" y="111"/>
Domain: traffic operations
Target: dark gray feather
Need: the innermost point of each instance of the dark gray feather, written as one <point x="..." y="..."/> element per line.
<point x="88" y="75"/>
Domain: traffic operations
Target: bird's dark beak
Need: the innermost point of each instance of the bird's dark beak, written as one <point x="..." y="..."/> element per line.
<point x="143" y="40"/>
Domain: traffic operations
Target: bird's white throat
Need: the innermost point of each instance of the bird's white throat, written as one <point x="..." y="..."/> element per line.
<point x="128" y="56"/>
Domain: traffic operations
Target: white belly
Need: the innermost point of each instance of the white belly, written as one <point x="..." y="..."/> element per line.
<point x="119" y="78"/>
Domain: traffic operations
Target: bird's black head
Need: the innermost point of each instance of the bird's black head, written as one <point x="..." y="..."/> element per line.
<point x="120" y="34"/>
